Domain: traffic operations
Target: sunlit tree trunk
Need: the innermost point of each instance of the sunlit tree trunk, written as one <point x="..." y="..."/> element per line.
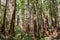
<point x="12" y="24"/>
<point x="59" y="13"/>
<point x="22" y="16"/>
<point x="4" y="18"/>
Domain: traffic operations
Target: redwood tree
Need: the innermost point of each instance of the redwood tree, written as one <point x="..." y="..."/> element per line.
<point x="45" y="18"/>
<point x="12" y="24"/>
<point x="35" y="19"/>
<point x="28" y="17"/>
<point x="54" y="16"/>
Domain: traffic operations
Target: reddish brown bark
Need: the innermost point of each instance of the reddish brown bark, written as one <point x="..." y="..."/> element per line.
<point x="12" y="24"/>
<point x="28" y="17"/>
<point x="39" y="29"/>
<point x="46" y="24"/>
<point x="35" y="21"/>
<point x="53" y="12"/>
<point x="4" y="18"/>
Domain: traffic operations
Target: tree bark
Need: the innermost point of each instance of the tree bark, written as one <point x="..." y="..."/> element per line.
<point x="28" y="17"/>
<point x="54" y="16"/>
<point x="12" y="24"/>
<point x="35" y="20"/>
<point x="45" y="18"/>
<point x="4" y="18"/>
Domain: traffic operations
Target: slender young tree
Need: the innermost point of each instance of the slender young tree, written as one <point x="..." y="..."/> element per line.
<point x="4" y="18"/>
<point x="12" y="24"/>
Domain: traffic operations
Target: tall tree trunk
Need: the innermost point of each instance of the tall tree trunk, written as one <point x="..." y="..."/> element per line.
<point x="4" y="18"/>
<point x="12" y="24"/>
<point x="28" y="17"/>
<point x="54" y="16"/>
<point x="46" y="24"/>
<point x="35" y="20"/>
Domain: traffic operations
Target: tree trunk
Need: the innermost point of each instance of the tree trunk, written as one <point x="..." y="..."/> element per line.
<point x="45" y="18"/>
<point x="12" y="24"/>
<point x="4" y="18"/>
<point x="35" y="20"/>
<point x="54" y="10"/>
<point x="54" y="16"/>
<point x="28" y="17"/>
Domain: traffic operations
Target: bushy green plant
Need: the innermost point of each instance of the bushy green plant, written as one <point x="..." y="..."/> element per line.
<point x="19" y="35"/>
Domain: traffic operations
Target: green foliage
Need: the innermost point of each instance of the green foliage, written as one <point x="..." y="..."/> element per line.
<point x="19" y="35"/>
<point x="28" y="37"/>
